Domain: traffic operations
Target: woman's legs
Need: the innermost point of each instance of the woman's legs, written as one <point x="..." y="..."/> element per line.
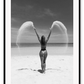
<point x="43" y="56"/>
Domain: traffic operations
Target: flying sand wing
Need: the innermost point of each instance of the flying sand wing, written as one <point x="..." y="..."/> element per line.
<point x="26" y="34"/>
<point x="59" y="36"/>
<point x="60" y="31"/>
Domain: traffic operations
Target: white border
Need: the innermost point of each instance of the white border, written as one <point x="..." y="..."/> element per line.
<point x="75" y="39"/>
<point x="76" y="42"/>
<point x="8" y="41"/>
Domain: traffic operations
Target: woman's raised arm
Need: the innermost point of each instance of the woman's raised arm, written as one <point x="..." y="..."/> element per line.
<point x="49" y="35"/>
<point x="37" y="34"/>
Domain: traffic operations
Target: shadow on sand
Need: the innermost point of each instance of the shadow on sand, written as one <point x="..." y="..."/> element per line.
<point x="39" y="70"/>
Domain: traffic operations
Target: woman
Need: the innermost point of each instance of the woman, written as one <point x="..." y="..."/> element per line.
<point x="43" y="52"/>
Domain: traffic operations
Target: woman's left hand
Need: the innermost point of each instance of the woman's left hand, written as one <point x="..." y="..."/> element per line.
<point x="34" y="28"/>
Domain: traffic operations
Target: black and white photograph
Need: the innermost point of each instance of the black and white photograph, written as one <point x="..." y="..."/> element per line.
<point x="42" y="39"/>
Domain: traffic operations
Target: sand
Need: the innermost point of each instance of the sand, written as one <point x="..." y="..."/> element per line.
<point x="25" y="69"/>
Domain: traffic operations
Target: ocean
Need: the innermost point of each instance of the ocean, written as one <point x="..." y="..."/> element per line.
<point x="38" y="44"/>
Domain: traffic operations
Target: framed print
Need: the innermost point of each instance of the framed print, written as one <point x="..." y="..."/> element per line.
<point x="42" y="41"/>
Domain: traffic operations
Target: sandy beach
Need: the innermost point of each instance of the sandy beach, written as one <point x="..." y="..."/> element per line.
<point x="25" y="68"/>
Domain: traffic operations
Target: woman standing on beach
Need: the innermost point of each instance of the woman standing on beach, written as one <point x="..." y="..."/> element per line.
<point x="43" y="52"/>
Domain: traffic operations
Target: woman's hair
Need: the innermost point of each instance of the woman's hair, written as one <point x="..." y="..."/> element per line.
<point x="43" y="40"/>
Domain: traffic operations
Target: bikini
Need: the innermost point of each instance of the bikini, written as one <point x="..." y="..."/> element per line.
<point x="43" y="53"/>
<point x="43" y="49"/>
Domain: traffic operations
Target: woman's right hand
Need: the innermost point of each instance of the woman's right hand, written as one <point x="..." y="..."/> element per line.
<point x="34" y="28"/>
<point x="51" y="28"/>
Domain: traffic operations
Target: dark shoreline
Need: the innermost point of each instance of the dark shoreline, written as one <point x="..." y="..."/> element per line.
<point x="37" y="44"/>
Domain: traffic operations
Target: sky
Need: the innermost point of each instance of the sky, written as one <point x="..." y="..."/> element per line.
<point x="42" y="13"/>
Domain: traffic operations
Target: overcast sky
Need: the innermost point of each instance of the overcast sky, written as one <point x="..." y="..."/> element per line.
<point x="42" y="13"/>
